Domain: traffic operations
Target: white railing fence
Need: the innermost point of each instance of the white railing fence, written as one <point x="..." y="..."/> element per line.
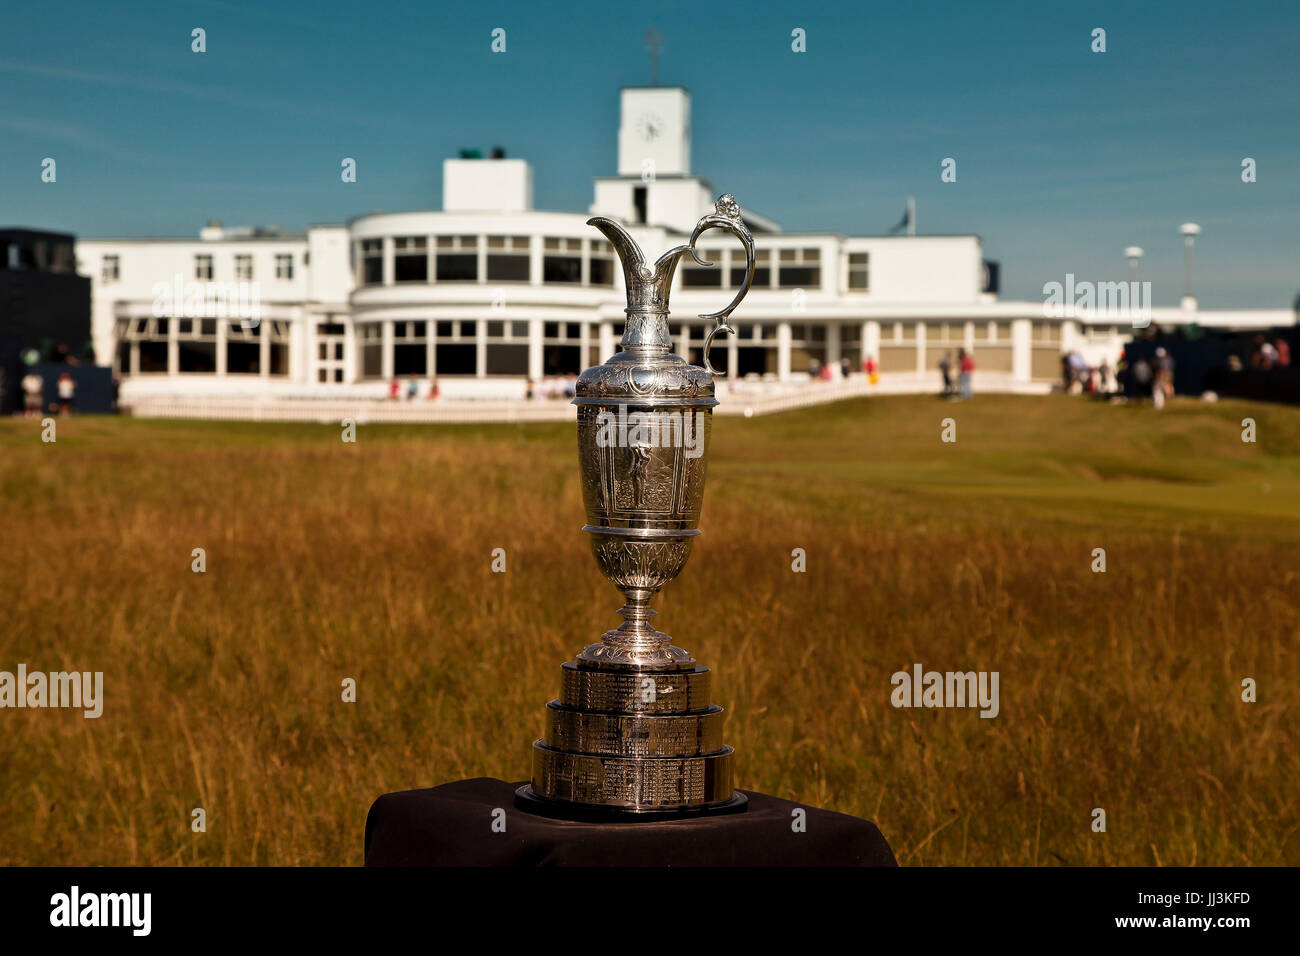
<point x="744" y="398"/>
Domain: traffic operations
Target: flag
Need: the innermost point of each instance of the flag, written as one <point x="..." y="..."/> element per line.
<point x="903" y="223"/>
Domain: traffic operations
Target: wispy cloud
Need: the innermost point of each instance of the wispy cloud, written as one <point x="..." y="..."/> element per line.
<point x="211" y="93"/>
<point x="147" y="84"/>
<point x="68" y="135"/>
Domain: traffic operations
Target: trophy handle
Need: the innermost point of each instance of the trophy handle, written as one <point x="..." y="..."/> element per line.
<point x="708" y="342"/>
<point x="727" y="217"/>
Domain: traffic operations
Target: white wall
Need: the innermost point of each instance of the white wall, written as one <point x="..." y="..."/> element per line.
<point x="330" y="277"/>
<point x="921" y="268"/>
<point x="613" y="198"/>
<point x="677" y="203"/>
<point x="487" y="185"/>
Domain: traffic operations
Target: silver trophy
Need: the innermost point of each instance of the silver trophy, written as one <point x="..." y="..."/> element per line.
<point x="633" y="735"/>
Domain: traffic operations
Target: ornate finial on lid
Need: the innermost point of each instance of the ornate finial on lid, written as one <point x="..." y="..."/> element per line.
<point x="727" y="206"/>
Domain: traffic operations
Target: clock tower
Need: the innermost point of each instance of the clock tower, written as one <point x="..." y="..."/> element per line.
<point x="654" y="186"/>
<point x="655" y="131"/>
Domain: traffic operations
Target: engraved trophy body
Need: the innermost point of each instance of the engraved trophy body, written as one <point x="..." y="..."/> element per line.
<point x="633" y="735"/>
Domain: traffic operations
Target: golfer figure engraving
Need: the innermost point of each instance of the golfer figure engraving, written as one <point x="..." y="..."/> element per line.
<point x="640" y="459"/>
<point x="633" y="733"/>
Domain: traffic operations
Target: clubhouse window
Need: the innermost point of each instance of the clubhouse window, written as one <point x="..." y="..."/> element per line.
<point x="457" y="259"/>
<point x="507" y="258"/>
<point x="410" y="259"/>
<point x="243" y="349"/>
<point x="196" y="345"/>
<point x="704" y="277"/>
<point x="371" y="336"/>
<point x="561" y="348"/>
<point x="150" y="339"/>
<point x="799" y="269"/>
<point x="507" y="353"/>
<point x="859" y="272"/>
<point x="602" y="262"/>
<point x="372" y="261"/>
<point x="410" y="348"/>
<point x="762" y="269"/>
<point x="562" y="261"/>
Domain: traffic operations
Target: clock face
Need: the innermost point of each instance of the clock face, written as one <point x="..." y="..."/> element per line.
<point x="650" y="127"/>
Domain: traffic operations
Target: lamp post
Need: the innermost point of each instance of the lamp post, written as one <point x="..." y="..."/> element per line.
<point x="1190" y="231"/>
<point x="1133" y="254"/>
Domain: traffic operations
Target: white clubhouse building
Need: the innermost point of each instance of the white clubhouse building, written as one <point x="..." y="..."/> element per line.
<point x="488" y="293"/>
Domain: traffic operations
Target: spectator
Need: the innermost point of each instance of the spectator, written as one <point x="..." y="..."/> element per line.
<point x="1267" y="355"/>
<point x="872" y="369"/>
<point x="945" y="369"/>
<point x="966" y="364"/>
<point x="67" y="393"/>
<point x="394" y="389"/>
<point x="412" y="390"/>
<point x="1261" y="356"/>
<point x="1141" y="378"/>
<point x="1164" y="375"/>
<point x="33" y="393"/>
<point x="1162" y="387"/>
<point x="1078" y="372"/>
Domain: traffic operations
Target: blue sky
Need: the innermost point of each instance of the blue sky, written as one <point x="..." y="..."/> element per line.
<point x="1064" y="156"/>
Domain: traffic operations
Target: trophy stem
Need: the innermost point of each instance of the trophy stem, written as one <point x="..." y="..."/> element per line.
<point x="637" y="613"/>
<point x="635" y="642"/>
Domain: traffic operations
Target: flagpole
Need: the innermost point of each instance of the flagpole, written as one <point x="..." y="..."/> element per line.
<point x="911" y="215"/>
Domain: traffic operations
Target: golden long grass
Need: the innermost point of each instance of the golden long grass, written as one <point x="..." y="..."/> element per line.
<point x="327" y="560"/>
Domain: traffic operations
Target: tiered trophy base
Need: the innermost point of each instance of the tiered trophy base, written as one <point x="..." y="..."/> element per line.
<point x="629" y="743"/>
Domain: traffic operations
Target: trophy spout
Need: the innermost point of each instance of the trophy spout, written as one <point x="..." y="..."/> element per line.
<point x="629" y="252"/>
<point x="647" y="289"/>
